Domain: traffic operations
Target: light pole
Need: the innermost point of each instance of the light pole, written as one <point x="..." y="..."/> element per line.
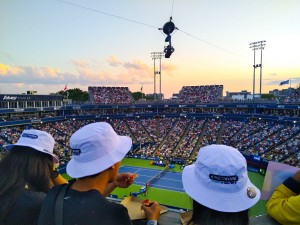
<point x="256" y="46"/>
<point x="154" y="56"/>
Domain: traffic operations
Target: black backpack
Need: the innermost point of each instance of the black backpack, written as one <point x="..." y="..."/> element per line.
<point x="53" y="206"/>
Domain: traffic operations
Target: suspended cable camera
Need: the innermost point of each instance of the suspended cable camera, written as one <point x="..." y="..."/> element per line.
<point x="168" y="29"/>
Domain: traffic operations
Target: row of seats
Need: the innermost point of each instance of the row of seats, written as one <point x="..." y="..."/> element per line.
<point x="200" y="94"/>
<point x="110" y="95"/>
<point x="182" y="137"/>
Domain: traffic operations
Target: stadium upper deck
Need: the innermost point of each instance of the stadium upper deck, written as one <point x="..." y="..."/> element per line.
<point x="197" y="124"/>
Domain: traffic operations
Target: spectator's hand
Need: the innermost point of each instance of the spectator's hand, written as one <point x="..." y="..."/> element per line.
<point x="297" y="176"/>
<point x="152" y="212"/>
<point x="124" y="180"/>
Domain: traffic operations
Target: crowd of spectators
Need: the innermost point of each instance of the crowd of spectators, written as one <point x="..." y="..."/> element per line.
<point x="210" y="133"/>
<point x="172" y="139"/>
<point x="200" y="94"/>
<point x="255" y="133"/>
<point x="293" y="97"/>
<point x="287" y="151"/>
<point x="281" y="135"/>
<point x="189" y="141"/>
<point x="231" y="129"/>
<point x="182" y="137"/>
<point x="158" y="130"/>
<point x="139" y="131"/>
<point x="110" y="95"/>
<point x="121" y="127"/>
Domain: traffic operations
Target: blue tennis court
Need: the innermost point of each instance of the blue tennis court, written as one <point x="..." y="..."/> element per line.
<point x="168" y="180"/>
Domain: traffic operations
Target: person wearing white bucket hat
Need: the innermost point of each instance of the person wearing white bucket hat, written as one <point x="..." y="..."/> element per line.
<point x="220" y="188"/>
<point x="97" y="152"/>
<point x="27" y="174"/>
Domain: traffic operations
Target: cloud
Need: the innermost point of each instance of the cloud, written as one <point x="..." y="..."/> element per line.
<point x="87" y="72"/>
<point x="131" y="72"/>
<point x="19" y="85"/>
<point x="294" y="81"/>
<point x="6" y="70"/>
<point x="271" y="83"/>
<point x="136" y="65"/>
<point x="137" y="68"/>
<point x="80" y="63"/>
<point x="30" y="74"/>
<point x="143" y="70"/>
<point x="168" y="68"/>
<point x="113" y="61"/>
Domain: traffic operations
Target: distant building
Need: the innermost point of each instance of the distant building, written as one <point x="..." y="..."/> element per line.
<point x="281" y="93"/>
<point x="175" y="95"/>
<point x="241" y="95"/>
<point x="16" y="101"/>
<point x="31" y="92"/>
<point x="158" y="96"/>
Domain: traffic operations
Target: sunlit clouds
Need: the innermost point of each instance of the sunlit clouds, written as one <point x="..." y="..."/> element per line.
<point x="113" y="61"/>
<point x="6" y="70"/>
<point x="87" y="72"/>
<point x="30" y="74"/>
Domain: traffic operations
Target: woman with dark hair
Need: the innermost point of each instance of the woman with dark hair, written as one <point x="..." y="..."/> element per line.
<point x="27" y="174"/>
<point x="205" y="216"/>
<point x="220" y="188"/>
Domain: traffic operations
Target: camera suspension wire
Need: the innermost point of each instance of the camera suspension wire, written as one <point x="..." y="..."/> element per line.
<point x="144" y="24"/>
<point x="172" y="8"/>
<point x="107" y="14"/>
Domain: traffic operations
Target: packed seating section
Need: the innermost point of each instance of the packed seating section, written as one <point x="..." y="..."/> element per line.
<point x="110" y="95"/>
<point x="182" y="137"/>
<point x="293" y="97"/>
<point x="200" y="94"/>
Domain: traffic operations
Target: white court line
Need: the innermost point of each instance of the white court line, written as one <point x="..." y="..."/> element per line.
<point x="166" y="187"/>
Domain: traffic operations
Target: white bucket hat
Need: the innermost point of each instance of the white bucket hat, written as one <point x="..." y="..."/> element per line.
<point x="37" y="140"/>
<point x="219" y="180"/>
<point x="95" y="148"/>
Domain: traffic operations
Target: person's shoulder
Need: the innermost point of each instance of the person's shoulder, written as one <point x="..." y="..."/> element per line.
<point x="27" y="207"/>
<point x="30" y="195"/>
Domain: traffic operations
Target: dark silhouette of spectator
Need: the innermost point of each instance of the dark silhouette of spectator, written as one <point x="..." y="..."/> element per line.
<point x="97" y="152"/>
<point x="27" y="174"/>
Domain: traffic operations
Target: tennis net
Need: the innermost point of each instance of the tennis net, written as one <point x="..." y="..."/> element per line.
<point x="156" y="177"/>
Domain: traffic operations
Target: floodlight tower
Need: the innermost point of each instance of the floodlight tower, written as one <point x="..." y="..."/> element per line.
<point x="256" y="46"/>
<point x="154" y="56"/>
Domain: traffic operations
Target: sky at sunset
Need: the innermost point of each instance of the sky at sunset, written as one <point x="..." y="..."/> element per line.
<point x="47" y="44"/>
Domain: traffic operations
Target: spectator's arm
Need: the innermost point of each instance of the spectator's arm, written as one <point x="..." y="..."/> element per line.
<point x="122" y="181"/>
<point x="284" y="204"/>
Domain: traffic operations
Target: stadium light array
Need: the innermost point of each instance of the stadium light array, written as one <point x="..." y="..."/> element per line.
<point x="154" y="56"/>
<point x="258" y="45"/>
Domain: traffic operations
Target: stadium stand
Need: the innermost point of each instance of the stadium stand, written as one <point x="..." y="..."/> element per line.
<point x="182" y="137"/>
<point x="110" y="95"/>
<point x="200" y="94"/>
